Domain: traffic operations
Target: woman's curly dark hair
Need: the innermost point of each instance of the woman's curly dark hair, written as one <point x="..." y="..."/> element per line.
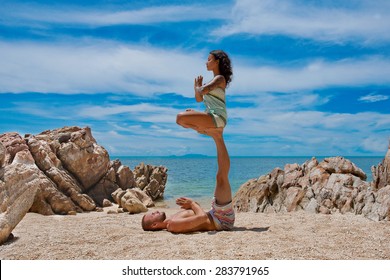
<point x="225" y="66"/>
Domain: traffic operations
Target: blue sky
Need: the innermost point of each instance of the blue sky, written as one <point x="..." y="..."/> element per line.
<point x="310" y="78"/>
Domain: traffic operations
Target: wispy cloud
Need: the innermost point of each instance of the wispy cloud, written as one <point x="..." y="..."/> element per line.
<point x="314" y="75"/>
<point x="106" y="66"/>
<point x="308" y="132"/>
<point x="372" y="97"/>
<point x="107" y="15"/>
<point x="97" y="66"/>
<point x="365" y="20"/>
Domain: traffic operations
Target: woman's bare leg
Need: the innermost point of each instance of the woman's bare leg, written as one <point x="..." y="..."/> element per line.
<point x="198" y="121"/>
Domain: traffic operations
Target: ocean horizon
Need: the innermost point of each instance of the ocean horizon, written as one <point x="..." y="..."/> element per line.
<point x="194" y="175"/>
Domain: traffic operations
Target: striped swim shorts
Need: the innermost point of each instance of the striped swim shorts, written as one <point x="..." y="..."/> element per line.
<point x="222" y="215"/>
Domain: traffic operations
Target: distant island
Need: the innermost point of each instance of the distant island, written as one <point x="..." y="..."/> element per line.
<point x="190" y="156"/>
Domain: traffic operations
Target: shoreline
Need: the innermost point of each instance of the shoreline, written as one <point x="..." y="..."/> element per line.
<point x="203" y="201"/>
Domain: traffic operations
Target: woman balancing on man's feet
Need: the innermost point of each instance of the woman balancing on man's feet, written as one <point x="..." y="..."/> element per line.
<point x="212" y="122"/>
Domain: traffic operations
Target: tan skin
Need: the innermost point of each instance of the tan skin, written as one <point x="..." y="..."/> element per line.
<point x="201" y="121"/>
<point x="193" y="217"/>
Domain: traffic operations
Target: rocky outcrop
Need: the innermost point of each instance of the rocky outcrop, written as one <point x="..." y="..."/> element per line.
<point x="381" y="173"/>
<point x="151" y="179"/>
<point x="335" y="184"/>
<point x="65" y="171"/>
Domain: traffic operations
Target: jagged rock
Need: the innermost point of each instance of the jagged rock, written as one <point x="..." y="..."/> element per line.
<point x="13" y="144"/>
<point x="292" y="174"/>
<point x="117" y="176"/>
<point x="335" y="184"/>
<point x="68" y="186"/>
<point x="2" y="155"/>
<point x="49" y="200"/>
<point x="80" y="155"/>
<point x="154" y="189"/>
<point x="312" y="206"/>
<point x="104" y="188"/>
<point x="141" y="182"/>
<point x="377" y="207"/>
<point x="342" y="191"/>
<point x="18" y="185"/>
<point x="294" y="196"/>
<point x="381" y="173"/>
<point x="125" y="177"/>
<point x="64" y="183"/>
<point x="151" y="179"/>
<point x="343" y="166"/>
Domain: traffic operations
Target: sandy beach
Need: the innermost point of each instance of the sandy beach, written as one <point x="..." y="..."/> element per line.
<point x="280" y="236"/>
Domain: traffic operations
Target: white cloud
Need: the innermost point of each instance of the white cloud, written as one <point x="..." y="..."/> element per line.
<point x="315" y="75"/>
<point x="97" y="66"/>
<point x="102" y="66"/>
<point x="269" y="130"/>
<point x="365" y="21"/>
<point x="142" y="109"/>
<point x="375" y="144"/>
<point x="151" y="142"/>
<point x="372" y="97"/>
<point x="27" y="14"/>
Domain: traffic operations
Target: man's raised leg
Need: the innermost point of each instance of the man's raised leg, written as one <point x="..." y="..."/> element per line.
<point x="223" y="192"/>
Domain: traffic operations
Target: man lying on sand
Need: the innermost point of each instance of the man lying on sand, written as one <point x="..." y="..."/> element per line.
<point x="191" y="218"/>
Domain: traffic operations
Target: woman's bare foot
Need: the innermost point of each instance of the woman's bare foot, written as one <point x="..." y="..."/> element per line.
<point x="214" y="131"/>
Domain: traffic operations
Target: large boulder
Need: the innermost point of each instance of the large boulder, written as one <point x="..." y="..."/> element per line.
<point x="18" y="185"/>
<point x="343" y="166"/>
<point x="79" y="154"/>
<point x="132" y="200"/>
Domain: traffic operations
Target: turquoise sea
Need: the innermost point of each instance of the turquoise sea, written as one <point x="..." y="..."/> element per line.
<point x="195" y="177"/>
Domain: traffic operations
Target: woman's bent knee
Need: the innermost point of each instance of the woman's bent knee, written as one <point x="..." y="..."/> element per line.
<point x="179" y="119"/>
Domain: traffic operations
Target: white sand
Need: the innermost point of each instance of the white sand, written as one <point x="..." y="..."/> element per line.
<point x="102" y="236"/>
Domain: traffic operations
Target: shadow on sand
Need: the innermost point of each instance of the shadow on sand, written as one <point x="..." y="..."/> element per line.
<point x="255" y="229"/>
